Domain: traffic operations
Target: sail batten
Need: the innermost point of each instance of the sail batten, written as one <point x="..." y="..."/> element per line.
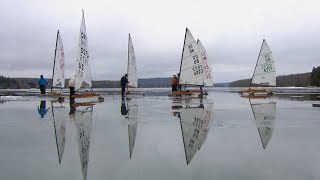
<point x="83" y="72"/>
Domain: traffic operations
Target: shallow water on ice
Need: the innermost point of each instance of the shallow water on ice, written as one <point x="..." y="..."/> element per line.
<point x="167" y="138"/>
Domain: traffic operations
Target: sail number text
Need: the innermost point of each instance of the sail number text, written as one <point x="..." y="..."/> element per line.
<point x="83" y="61"/>
<point x="268" y="66"/>
<point x="197" y="70"/>
<point x="83" y="39"/>
<point x="205" y="65"/>
<point x="191" y="50"/>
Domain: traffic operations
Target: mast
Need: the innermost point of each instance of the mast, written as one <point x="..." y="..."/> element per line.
<point x="54" y="59"/>
<point x="256" y="63"/>
<point x="185" y="35"/>
<point x="91" y="88"/>
<point x="201" y="91"/>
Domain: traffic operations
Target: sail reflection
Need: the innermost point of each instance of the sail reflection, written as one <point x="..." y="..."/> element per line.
<point x="265" y="115"/>
<point x="130" y="110"/>
<point x="81" y="114"/>
<point x="59" y="124"/>
<point x="195" y="121"/>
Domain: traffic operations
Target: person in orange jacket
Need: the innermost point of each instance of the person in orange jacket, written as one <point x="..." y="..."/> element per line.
<point x="174" y="83"/>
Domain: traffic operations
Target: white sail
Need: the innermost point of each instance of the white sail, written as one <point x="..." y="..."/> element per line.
<point x="132" y="126"/>
<point x="83" y="72"/>
<point x="191" y="71"/>
<point x="58" y="69"/>
<point x="265" y="115"/>
<point x="59" y="129"/>
<point x="132" y="66"/>
<point x="195" y="126"/>
<point x="265" y="71"/>
<point x="83" y="121"/>
<point x="207" y="75"/>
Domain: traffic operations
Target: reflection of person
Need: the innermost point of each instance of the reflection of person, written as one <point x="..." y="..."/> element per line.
<point x="124" y="81"/>
<point x="42" y="84"/>
<point x="72" y="107"/>
<point x="174" y="83"/>
<point x="42" y="109"/>
<point x="71" y="85"/>
<point x="179" y="85"/>
<point x="124" y="110"/>
<point x="175" y="111"/>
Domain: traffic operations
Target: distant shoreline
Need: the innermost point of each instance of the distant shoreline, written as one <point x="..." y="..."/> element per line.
<point x="292" y="80"/>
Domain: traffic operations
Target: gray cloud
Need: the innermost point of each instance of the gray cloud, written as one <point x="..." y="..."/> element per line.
<point x="231" y="31"/>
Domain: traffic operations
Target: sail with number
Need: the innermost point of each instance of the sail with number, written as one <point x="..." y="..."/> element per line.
<point x="265" y="71"/>
<point x="83" y="72"/>
<point x="191" y="70"/>
<point x="207" y="71"/>
<point x="83" y="121"/>
<point x="132" y="126"/>
<point x="58" y="64"/>
<point x="195" y="125"/>
<point x="265" y="115"/>
<point x="132" y="66"/>
<point x="59" y="129"/>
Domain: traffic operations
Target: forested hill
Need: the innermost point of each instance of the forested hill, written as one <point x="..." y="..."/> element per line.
<point x="27" y="83"/>
<point x="298" y="80"/>
<point x="6" y="82"/>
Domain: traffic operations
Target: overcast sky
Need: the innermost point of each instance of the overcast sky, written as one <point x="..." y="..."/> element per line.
<point x="231" y="31"/>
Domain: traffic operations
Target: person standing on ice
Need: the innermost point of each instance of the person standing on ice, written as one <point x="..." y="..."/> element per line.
<point x="123" y="82"/>
<point x="42" y="84"/>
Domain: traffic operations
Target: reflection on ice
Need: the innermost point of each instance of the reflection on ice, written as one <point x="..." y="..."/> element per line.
<point x="195" y="124"/>
<point x="82" y="118"/>
<point x="42" y="110"/>
<point x="130" y="110"/>
<point x="59" y="123"/>
<point x="245" y="134"/>
<point x="265" y="115"/>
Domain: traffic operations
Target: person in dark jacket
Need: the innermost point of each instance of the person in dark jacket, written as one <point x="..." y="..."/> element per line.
<point x="124" y="81"/>
<point x="42" y="84"/>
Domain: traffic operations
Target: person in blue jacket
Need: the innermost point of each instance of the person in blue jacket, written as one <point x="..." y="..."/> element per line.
<point x="42" y="84"/>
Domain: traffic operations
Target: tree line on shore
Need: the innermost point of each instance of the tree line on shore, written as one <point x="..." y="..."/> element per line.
<point x="297" y="80"/>
<point x="292" y="80"/>
<point x="315" y="77"/>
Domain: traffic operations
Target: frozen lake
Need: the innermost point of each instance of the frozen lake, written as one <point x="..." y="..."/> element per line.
<point x="221" y="137"/>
